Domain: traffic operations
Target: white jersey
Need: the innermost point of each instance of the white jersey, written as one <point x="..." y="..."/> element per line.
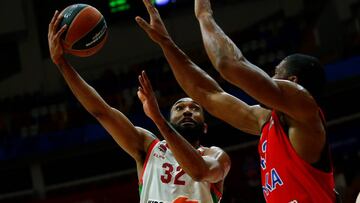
<point x="163" y="180"/>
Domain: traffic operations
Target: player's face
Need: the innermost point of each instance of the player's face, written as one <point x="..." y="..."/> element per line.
<point x="186" y="113"/>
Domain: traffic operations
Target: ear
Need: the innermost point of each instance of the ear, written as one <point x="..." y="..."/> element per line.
<point x="294" y="79"/>
<point x="205" y="128"/>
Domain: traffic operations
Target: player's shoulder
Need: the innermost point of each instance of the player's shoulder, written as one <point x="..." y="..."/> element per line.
<point x="218" y="154"/>
<point x="212" y="150"/>
<point x="149" y="139"/>
<point x="291" y="88"/>
<point x="287" y="83"/>
<point x="215" y="148"/>
<point x="299" y="103"/>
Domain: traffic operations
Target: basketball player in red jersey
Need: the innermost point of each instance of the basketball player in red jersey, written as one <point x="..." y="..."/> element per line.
<point x="175" y="169"/>
<point x="295" y="161"/>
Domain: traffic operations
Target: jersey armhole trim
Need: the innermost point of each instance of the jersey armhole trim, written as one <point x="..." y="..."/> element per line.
<point x="216" y="192"/>
<point x="267" y="120"/>
<point x="150" y="149"/>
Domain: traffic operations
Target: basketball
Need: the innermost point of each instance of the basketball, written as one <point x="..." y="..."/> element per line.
<point x="86" y="31"/>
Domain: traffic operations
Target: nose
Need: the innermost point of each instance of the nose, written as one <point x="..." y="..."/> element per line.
<point x="187" y="112"/>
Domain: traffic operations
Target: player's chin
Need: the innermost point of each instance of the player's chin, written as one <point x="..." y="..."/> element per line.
<point x="188" y="124"/>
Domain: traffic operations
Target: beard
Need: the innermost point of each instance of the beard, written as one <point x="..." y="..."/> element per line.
<point x="190" y="133"/>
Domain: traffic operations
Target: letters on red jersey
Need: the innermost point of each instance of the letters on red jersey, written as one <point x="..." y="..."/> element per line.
<point x="285" y="176"/>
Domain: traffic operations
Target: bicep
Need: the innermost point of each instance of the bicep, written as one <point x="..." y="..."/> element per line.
<point x="126" y="135"/>
<point x="283" y="95"/>
<point x="234" y="112"/>
<point x="252" y="80"/>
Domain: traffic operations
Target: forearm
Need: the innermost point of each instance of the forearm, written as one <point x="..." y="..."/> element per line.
<point x="193" y="80"/>
<point x="217" y="44"/>
<point x="86" y="95"/>
<point x="232" y="65"/>
<point x="186" y="155"/>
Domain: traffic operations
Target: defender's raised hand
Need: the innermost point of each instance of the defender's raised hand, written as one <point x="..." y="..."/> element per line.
<point x="55" y="47"/>
<point x="156" y="28"/>
<point x="147" y="98"/>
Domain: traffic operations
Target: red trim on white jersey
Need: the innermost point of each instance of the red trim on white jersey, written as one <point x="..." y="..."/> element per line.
<point x="151" y="147"/>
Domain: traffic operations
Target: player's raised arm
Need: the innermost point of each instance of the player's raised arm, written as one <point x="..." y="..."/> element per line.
<point x="197" y="83"/>
<point x="229" y="61"/>
<point x="133" y="140"/>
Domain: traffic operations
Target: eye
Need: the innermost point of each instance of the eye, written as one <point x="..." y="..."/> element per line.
<point x="178" y="108"/>
<point x="194" y="108"/>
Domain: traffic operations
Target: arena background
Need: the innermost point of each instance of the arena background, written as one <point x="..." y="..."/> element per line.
<point x="52" y="150"/>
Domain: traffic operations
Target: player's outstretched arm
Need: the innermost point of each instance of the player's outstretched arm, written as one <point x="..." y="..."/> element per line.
<point x="212" y="167"/>
<point x="133" y="140"/>
<point x="197" y="83"/>
<point x="233" y="66"/>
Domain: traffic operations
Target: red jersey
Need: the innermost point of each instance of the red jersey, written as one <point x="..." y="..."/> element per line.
<point x="285" y="177"/>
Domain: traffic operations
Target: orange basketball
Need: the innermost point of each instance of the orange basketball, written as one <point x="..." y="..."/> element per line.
<point x="86" y="30"/>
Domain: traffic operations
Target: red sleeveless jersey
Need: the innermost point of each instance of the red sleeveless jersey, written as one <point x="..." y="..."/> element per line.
<point x="285" y="177"/>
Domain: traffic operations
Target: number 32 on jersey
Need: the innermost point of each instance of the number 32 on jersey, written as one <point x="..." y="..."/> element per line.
<point x="168" y="176"/>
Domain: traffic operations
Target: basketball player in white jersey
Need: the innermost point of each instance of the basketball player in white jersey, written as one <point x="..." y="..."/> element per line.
<point x="186" y="168"/>
<point x="172" y="171"/>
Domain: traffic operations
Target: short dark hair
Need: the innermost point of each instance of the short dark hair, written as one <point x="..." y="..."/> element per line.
<point x="184" y="99"/>
<point x="309" y="71"/>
